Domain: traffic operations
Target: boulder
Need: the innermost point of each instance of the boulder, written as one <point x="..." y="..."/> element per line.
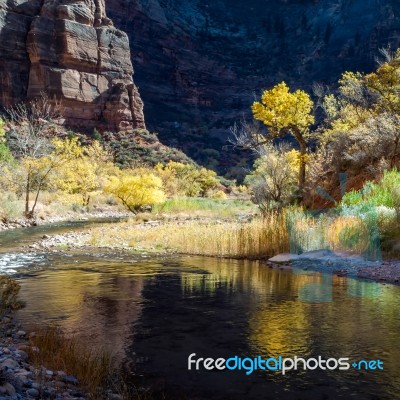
<point x="283" y="258"/>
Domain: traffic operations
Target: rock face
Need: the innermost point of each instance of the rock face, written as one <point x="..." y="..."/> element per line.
<point x="199" y="63"/>
<point x="71" y="51"/>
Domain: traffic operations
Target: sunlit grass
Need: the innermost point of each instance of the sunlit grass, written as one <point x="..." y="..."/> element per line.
<point x="222" y="208"/>
<point x="259" y="238"/>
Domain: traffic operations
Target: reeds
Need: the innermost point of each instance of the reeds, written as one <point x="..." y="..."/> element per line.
<point x="95" y="369"/>
<point x="260" y="238"/>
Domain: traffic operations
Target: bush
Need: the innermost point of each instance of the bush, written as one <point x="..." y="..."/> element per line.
<point x="9" y="290"/>
<point x="384" y="193"/>
<point x="10" y="207"/>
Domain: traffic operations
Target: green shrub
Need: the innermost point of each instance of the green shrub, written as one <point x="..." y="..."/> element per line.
<point x="384" y="193"/>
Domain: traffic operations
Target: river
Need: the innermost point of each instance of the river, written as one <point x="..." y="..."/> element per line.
<point x="153" y="312"/>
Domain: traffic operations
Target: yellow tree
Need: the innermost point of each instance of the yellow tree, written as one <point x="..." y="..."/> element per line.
<point x="385" y="84"/>
<point x="136" y="191"/>
<point x="186" y="179"/>
<point x="285" y="112"/>
<point x="85" y="173"/>
<point x="33" y="173"/>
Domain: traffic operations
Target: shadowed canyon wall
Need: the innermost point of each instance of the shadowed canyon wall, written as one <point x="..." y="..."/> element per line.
<point x="199" y="64"/>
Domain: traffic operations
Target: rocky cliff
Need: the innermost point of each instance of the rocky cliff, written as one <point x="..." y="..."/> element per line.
<point x="71" y="51"/>
<point x="200" y="63"/>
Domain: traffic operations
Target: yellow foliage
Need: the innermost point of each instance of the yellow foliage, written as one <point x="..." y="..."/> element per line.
<point x="219" y="194"/>
<point x="294" y="159"/>
<point x="186" y="179"/>
<point x="2" y="131"/>
<point x="386" y="83"/>
<point x="86" y="169"/>
<point x="279" y="109"/>
<point x="135" y="191"/>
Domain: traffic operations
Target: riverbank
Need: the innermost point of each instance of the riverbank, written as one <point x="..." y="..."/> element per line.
<point x="70" y="216"/>
<point x="155" y="237"/>
<point x="340" y="264"/>
<point x="20" y="378"/>
<point x="25" y="374"/>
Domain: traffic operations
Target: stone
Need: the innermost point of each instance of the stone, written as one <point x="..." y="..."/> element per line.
<point x="316" y="254"/>
<point x="33" y="393"/>
<point x="114" y="396"/>
<point x="70" y="379"/>
<point x="10" y="390"/>
<point x="70" y="50"/>
<point x="283" y="258"/>
<point x="10" y="364"/>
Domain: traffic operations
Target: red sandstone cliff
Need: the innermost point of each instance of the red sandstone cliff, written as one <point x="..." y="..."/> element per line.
<point x="71" y="51"/>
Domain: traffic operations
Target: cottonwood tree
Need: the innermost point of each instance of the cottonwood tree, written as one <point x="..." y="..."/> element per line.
<point x="85" y="173"/>
<point x="136" y="190"/>
<point x="283" y="112"/>
<point x="29" y="175"/>
<point x="30" y="126"/>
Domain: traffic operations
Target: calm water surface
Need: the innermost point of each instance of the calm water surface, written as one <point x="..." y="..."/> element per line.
<point x="154" y="312"/>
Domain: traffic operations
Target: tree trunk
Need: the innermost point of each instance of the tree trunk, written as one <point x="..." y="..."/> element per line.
<point x="27" y="190"/>
<point x="302" y="169"/>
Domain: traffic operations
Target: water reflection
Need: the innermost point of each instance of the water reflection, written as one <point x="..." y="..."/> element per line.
<point x="155" y="312"/>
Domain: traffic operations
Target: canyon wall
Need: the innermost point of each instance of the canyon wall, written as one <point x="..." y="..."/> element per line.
<point x="200" y="64"/>
<point x="71" y="51"/>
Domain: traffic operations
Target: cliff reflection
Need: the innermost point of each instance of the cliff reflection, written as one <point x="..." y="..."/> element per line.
<point x="98" y="305"/>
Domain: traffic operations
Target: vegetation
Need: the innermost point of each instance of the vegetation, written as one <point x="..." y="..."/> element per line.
<point x="9" y="290"/>
<point x="283" y="113"/>
<point x="187" y="180"/>
<point x="273" y="181"/>
<point x="256" y="239"/>
<point x="136" y="191"/>
<point x="34" y="163"/>
<point x="95" y="370"/>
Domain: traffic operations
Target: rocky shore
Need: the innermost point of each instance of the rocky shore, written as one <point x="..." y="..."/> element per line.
<point x="20" y="379"/>
<point x="341" y="264"/>
<point x="26" y="223"/>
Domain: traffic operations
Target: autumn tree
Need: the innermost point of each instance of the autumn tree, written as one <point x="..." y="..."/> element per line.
<point x="284" y="112"/>
<point x="136" y="190"/>
<point x="362" y="126"/>
<point x="33" y="174"/>
<point x="30" y="126"/>
<point x="186" y="179"/>
<point x="273" y="181"/>
<point x="85" y="173"/>
<point x="5" y="154"/>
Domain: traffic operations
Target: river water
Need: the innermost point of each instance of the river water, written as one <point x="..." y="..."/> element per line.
<point x="153" y="312"/>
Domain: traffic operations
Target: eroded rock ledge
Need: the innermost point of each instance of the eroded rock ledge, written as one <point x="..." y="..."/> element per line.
<point x="70" y="50"/>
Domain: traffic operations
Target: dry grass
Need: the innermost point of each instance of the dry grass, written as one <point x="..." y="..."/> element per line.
<point x="351" y="234"/>
<point x="94" y="369"/>
<point x="263" y="237"/>
<point x="97" y="371"/>
<point x="259" y="238"/>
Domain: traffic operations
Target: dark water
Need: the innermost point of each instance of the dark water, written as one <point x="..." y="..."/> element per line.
<point x="154" y="312"/>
